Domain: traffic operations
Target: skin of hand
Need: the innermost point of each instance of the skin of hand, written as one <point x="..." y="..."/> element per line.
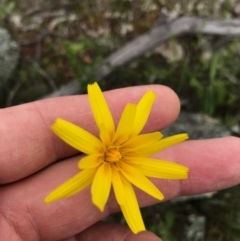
<point x="34" y="161"/>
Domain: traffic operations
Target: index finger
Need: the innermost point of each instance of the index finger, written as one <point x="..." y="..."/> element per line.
<point x="27" y="143"/>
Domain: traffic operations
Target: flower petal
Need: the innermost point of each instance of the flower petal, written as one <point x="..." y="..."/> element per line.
<point x="101" y="185"/>
<point x="100" y="108"/>
<point x="90" y="161"/>
<point x="139" y="180"/>
<point x="76" y="137"/>
<point x="125" y="125"/>
<point x="72" y="186"/>
<point x="159" y="168"/>
<point x="143" y="140"/>
<point x="118" y="186"/>
<point x="162" y="144"/>
<point x="131" y="210"/>
<point x="105" y="136"/>
<point x="144" y="107"/>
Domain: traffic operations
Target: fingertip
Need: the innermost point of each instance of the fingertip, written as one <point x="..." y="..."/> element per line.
<point x="143" y="236"/>
<point x="165" y="109"/>
<point x="106" y="231"/>
<point x="170" y="102"/>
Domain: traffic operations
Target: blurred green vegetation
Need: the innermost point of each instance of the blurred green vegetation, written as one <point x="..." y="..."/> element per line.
<point x="6" y="8"/>
<point x="68" y="40"/>
<point x="65" y="40"/>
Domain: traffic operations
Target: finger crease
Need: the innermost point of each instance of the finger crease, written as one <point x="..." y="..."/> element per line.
<point x="54" y="147"/>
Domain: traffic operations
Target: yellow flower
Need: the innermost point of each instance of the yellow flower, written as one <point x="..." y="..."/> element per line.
<point x="119" y="158"/>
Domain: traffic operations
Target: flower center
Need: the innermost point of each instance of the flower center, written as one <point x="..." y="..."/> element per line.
<point x="112" y="154"/>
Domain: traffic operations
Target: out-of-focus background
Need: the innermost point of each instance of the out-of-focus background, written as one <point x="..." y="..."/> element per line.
<point x="51" y="48"/>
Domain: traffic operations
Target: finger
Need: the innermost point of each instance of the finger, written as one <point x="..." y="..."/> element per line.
<point x="69" y="239"/>
<point x="27" y="143"/>
<point x="105" y="231"/>
<point x="214" y="165"/>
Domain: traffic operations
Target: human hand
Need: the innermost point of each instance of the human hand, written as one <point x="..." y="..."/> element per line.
<point x="33" y="161"/>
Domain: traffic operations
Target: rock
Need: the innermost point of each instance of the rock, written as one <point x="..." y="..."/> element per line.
<point x="197" y="228"/>
<point x="9" y="54"/>
<point x="198" y="126"/>
<point x="236" y="130"/>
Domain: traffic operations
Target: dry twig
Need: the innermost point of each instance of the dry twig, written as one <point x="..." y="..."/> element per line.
<point x="152" y="39"/>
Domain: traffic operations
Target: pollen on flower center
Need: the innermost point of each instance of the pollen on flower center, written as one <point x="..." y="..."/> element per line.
<point x="112" y="154"/>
